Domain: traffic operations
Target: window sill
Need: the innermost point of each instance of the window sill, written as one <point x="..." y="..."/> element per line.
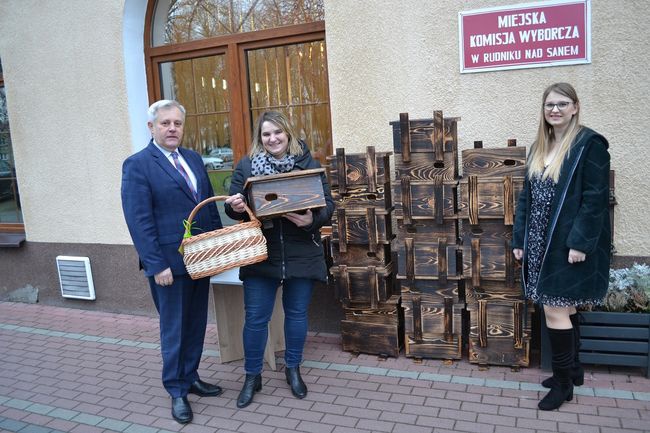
<point x="12" y="240"/>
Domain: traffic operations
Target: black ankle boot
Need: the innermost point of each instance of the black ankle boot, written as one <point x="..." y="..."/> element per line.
<point x="252" y="384"/>
<point x="298" y="387"/>
<point x="577" y="372"/>
<point x="562" y="346"/>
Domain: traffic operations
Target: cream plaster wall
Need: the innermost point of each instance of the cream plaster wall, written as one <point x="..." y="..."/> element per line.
<point x="66" y="97"/>
<point x="392" y="56"/>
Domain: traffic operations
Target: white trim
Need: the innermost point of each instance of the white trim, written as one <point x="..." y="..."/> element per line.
<point x="135" y="72"/>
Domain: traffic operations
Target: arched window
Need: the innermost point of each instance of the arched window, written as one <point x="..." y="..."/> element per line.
<point x="227" y="61"/>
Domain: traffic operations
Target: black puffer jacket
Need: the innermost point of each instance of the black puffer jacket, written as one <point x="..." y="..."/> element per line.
<point x="579" y="220"/>
<point x="294" y="252"/>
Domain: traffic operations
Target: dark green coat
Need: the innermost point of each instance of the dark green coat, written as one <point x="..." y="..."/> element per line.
<point x="579" y="220"/>
<point x="293" y="252"/>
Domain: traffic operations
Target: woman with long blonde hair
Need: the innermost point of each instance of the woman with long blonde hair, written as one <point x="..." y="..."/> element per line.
<point x="562" y="231"/>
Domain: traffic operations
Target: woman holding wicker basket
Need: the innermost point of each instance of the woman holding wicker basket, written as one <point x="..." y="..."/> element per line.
<point x="295" y="254"/>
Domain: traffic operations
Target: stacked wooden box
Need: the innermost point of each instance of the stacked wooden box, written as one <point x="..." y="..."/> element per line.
<point x="364" y="269"/>
<point x="500" y="319"/>
<point x="429" y="272"/>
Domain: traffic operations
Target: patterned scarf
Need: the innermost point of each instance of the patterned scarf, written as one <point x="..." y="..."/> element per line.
<point x="264" y="164"/>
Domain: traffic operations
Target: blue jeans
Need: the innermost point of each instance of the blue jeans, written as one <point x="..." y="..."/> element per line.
<point x="259" y="298"/>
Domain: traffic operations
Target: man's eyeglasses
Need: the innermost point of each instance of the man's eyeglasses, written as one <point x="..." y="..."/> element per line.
<point x="560" y="106"/>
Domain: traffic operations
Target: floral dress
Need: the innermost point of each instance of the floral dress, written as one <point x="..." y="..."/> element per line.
<point x="542" y="193"/>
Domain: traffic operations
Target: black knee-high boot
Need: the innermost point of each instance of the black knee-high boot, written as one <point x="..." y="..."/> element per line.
<point x="577" y="372"/>
<point x="562" y="348"/>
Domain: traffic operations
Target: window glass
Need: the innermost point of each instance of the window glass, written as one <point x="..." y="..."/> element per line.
<point x="187" y="20"/>
<point x="201" y="86"/>
<point x="293" y="79"/>
<point x="9" y="197"/>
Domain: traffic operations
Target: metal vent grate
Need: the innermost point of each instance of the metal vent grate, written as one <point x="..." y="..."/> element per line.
<point x="75" y="277"/>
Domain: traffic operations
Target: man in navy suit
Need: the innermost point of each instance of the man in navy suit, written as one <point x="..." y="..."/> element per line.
<point x="161" y="184"/>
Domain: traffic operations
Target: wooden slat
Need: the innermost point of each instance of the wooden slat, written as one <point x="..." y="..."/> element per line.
<point x="614" y="359"/>
<point x="438" y="135"/>
<point x="476" y="263"/>
<point x="417" y="319"/>
<point x="510" y="264"/>
<point x="410" y="258"/>
<point x="342" y="169"/>
<point x="616" y="332"/>
<point x="406" y="200"/>
<point x="639" y="347"/>
<point x="371" y="169"/>
<point x="442" y="260"/>
<point x="508" y="201"/>
<point x="518" y="321"/>
<point x="345" y="279"/>
<point x="438" y="200"/>
<point x="371" y="219"/>
<point x="472" y="189"/>
<point x="373" y="286"/>
<point x="342" y="230"/>
<point x="449" y="319"/>
<point x="405" y="136"/>
<point x="482" y="323"/>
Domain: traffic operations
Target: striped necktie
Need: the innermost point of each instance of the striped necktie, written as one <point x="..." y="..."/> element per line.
<point x="183" y="173"/>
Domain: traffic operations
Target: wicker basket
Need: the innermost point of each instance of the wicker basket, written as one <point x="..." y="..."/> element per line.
<point x="211" y="253"/>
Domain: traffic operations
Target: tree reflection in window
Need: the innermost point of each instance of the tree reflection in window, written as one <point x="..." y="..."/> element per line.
<point x="189" y="20"/>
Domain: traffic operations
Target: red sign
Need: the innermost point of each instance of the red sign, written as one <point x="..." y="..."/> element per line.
<point x="531" y="35"/>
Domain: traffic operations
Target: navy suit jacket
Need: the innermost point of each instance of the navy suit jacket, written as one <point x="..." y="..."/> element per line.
<point x="156" y="199"/>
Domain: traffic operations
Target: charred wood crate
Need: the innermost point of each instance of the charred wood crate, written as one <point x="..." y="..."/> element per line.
<point x="487" y="232"/>
<point x="436" y="288"/>
<point x="360" y="180"/>
<point x="500" y="332"/>
<point x="362" y="226"/>
<point x="489" y="261"/>
<point x="426" y="148"/>
<point x="361" y="256"/>
<point x="494" y="291"/>
<point x="378" y="331"/>
<point x="364" y="287"/>
<point x="277" y="194"/>
<point x="424" y="230"/>
<point x="621" y="339"/>
<point x="433" y="199"/>
<point x="495" y="162"/>
<point x="432" y="326"/>
<point x="427" y="260"/>
<point x="489" y="198"/>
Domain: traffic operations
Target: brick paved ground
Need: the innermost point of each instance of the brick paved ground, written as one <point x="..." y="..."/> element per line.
<point x="68" y="370"/>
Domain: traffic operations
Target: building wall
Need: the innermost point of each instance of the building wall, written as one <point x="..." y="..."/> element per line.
<point x="392" y="56"/>
<point x="76" y="112"/>
<point x="66" y="98"/>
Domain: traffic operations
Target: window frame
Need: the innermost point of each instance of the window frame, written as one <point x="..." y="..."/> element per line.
<point x="234" y="46"/>
<point x="11" y="227"/>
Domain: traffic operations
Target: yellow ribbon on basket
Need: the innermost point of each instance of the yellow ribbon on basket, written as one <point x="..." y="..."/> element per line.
<point x="188" y="233"/>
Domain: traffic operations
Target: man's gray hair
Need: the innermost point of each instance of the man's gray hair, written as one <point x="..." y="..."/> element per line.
<point x="152" y="112"/>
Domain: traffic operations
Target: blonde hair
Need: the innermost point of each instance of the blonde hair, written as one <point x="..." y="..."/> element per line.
<point x="546" y="134"/>
<point x="281" y="121"/>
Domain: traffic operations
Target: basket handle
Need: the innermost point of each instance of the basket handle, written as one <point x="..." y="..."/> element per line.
<point x="216" y="198"/>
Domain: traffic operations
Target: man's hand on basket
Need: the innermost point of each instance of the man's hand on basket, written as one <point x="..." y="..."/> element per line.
<point x="164" y="278"/>
<point x="300" y="219"/>
<point x="237" y="203"/>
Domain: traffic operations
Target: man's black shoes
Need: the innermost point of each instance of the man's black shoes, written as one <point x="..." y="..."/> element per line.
<point x="204" y="389"/>
<point x="181" y="410"/>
